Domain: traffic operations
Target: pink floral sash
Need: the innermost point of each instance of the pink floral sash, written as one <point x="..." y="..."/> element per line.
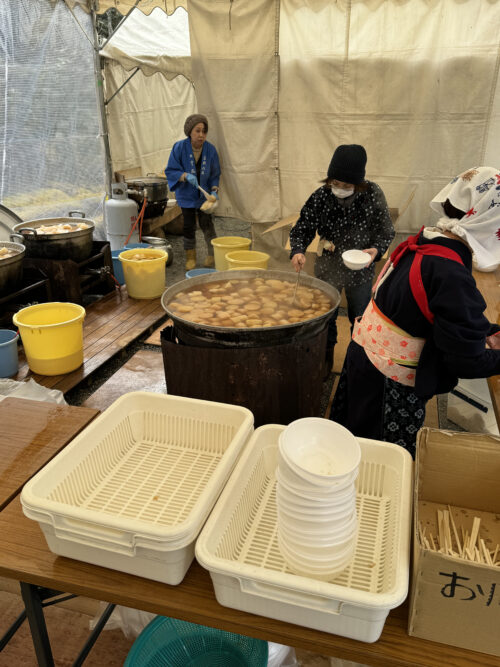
<point x="387" y="346"/>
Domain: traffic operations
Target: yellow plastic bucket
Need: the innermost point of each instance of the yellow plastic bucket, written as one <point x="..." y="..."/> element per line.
<point x="225" y="244"/>
<point x="145" y="278"/>
<point x="52" y="335"/>
<point x="247" y="259"/>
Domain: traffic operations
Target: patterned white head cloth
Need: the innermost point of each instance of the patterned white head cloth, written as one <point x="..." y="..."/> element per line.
<point x="477" y="192"/>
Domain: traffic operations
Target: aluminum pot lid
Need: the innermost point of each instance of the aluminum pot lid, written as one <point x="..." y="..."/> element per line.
<point x="142" y="181"/>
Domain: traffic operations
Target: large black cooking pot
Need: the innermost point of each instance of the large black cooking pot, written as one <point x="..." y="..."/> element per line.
<point x="11" y="268"/>
<point x="204" y="335"/>
<point x="75" y="245"/>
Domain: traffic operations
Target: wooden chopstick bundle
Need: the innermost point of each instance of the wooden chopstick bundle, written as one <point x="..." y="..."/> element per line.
<point x="471" y="547"/>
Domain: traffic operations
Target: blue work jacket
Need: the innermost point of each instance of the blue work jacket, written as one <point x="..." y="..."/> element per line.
<point x="182" y="160"/>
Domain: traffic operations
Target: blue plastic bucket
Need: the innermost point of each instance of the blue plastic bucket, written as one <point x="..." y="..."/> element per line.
<point x="9" y="363"/>
<point x="117" y="265"/>
<point x="198" y="272"/>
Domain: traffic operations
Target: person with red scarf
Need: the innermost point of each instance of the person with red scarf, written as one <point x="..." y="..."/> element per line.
<point x="424" y="327"/>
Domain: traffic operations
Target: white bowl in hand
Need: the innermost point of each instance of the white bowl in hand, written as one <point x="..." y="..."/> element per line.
<point x="356" y="259"/>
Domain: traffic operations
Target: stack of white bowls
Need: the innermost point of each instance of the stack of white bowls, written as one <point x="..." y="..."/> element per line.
<point x="318" y="463"/>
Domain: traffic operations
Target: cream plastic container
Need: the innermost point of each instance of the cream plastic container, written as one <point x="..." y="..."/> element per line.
<point x="133" y="489"/>
<point x="239" y="545"/>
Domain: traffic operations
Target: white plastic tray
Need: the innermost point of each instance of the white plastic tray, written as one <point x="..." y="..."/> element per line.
<point x="239" y="546"/>
<point x="132" y="491"/>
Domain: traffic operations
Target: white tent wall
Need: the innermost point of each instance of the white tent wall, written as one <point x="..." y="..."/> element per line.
<point x="414" y="81"/>
<point x="235" y="71"/>
<point x="492" y="148"/>
<point x="145" y="118"/>
<point x="411" y="81"/>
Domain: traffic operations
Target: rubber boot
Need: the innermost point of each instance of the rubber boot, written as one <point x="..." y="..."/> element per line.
<point x="209" y="262"/>
<point x="190" y="259"/>
<point x="328" y="367"/>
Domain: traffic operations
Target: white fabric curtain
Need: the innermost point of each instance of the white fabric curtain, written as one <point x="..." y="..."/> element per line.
<point x="145" y="118"/>
<point x="235" y="71"/>
<point x="414" y="82"/>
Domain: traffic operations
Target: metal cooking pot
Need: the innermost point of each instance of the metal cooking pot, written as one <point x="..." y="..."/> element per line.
<point x="160" y="244"/>
<point x="75" y="245"/>
<point x="153" y="187"/>
<point x="11" y="268"/>
<point x="204" y="335"/>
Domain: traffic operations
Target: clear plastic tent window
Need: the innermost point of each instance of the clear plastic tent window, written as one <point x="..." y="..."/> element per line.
<point x="51" y="154"/>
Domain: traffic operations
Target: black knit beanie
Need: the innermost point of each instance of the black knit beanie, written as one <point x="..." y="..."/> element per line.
<point x="193" y="120"/>
<point x="348" y="164"/>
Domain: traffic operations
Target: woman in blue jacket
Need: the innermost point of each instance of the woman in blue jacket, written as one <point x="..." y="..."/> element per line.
<point x="194" y="161"/>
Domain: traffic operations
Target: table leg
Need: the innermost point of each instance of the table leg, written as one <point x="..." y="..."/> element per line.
<point x="34" y="612"/>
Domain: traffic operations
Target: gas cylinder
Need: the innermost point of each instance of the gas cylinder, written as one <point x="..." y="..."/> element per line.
<point x="120" y="214"/>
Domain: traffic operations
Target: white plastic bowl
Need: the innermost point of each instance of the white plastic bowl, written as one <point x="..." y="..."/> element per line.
<point x="314" y="506"/>
<point x="332" y="528"/>
<point x="300" y="485"/>
<point x="322" y="551"/>
<point x="356" y="259"/>
<point x="321" y="539"/>
<point x="314" y="512"/>
<point x="309" y="568"/>
<point x="319" y="558"/>
<point x="320" y="450"/>
<point x="314" y="499"/>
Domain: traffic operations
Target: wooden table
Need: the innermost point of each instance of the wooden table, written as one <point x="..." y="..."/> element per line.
<point x="25" y="557"/>
<point x="31" y="433"/>
<point x="489" y="286"/>
<point x="170" y="214"/>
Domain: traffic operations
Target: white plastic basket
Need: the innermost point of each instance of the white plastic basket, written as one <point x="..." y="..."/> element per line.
<point x="132" y="491"/>
<point x="239" y="546"/>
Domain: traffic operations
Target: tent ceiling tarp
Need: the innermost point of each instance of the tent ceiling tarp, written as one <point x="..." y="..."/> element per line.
<point x="124" y="6"/>
<point x="166" y="49"/>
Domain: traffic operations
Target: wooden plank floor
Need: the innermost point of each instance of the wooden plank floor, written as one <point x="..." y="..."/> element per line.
<point x="142" y="372"/>
<point x="109" y="326"/>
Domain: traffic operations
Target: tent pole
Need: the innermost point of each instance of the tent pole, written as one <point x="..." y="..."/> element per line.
<point x="106" y="102"/>
<point x="100" y="96"/>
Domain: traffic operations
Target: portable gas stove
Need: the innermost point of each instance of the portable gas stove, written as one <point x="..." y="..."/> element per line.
<point x="78" y="282"/>
<point x="34" y="288"/>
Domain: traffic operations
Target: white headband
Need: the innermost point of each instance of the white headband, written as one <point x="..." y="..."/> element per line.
<point x="477" y="192"/>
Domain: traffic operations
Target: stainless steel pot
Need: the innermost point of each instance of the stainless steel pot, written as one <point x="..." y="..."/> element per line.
<point x="162" y="244"/>
<point x="203" y="335"/>
<point x="154" y="188"/>
<point x="75" y="245"/>
<point x="11" y="268"/>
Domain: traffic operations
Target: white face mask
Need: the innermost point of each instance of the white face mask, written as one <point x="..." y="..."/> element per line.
<point x="341" y="193"/>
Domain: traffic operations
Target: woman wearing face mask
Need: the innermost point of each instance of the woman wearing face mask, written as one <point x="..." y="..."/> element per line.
<point x="347" y="212"/>
<point x="424" y="327"/>
<point x="194" y="161"/>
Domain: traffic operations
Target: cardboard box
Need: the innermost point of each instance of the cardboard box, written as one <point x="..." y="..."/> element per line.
<point x="456" y="601"/>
